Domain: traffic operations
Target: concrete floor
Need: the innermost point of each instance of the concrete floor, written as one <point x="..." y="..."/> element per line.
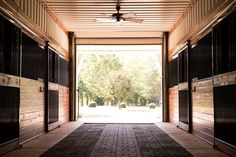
<point x="193" y="144"/>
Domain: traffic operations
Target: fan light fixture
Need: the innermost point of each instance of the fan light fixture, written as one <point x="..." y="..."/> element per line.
<point x="120" y="17"/>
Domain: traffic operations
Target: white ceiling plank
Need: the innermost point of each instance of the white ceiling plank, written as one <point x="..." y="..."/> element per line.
<point x="80" y="16"/>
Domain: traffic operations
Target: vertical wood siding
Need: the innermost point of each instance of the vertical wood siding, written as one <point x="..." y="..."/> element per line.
<point x="193" y="18"/>
<point x="37" y="12"/>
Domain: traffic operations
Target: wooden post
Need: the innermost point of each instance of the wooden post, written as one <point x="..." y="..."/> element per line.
<point x="165" y="80"/>
<point x="189" y="78"/>
<point x="46" y="79"/>
<point x="72" y="76"/>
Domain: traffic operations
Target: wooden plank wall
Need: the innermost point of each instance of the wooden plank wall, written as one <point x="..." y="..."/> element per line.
<point x="195" y="20"/>
<point x="31" y="109"/>
<point x="44" y="19"/>
<point x="195" y="14"/>
<point x="174" y="105"/>
<point x="63" y="104"/>
<point x="203" y="111"/>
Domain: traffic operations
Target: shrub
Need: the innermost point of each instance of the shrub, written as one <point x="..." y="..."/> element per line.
<point x="152" y="106"/>
<point x="99" y="101"/>
<point x="122" y="105"/>
<point x="92" y="104"/>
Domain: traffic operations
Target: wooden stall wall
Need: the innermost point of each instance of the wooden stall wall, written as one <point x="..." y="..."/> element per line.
<point x="63" y="90"/>
<point x="42" y="19"/>
<point x="23" y="67"/>
<point x="201" y="99"/>
<point x="174" y="105"/>
<point x="195" y="20"/>
<point x="173" y="91"/>
<point x="32" y="105"/>
<point x="9" y="84"/>
<point x="203" y="111"/>
<point x="202" y="91"/>
<point x="58" y="77"/>
<point x="53" y="104"/>
<point x="31" y="109"/>
<point x="184" y="88"/>
<point x="202" y="88"/>
<point x="63" y="104"/>
<point x="224" y="54"/>
<point x="213" y="76"/>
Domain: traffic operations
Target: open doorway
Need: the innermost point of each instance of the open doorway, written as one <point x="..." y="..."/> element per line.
<point x="119" y="83"/>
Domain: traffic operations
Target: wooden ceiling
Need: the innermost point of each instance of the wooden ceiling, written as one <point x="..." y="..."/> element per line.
<point x="80" y="16"/>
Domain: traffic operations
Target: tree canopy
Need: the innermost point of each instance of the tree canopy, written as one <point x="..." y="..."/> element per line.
<point x="132" y="80"/>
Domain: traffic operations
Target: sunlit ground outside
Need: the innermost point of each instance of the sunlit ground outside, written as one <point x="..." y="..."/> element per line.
<point x="120" y="84"/>
<point x="109" y="114"/>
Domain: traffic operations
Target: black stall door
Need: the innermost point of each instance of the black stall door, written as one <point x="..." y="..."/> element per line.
<point x="183" y="65"/>
<point x="9" y="114"/>
<point x="53" y="106"/>
<point x="183" y="107"/>
<point x="225" y="113"/>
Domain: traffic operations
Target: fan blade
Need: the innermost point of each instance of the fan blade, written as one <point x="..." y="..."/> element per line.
<point x="100" y="20"/>
<point x="128" y="15"/>
<point x="136" y="20"/>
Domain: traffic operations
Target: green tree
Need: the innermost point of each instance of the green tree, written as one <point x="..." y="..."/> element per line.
<point x="118" y="86"/>
<point x="116" y="78"/>
<point x="95" y="71"/>
<point x="145" y="78"/>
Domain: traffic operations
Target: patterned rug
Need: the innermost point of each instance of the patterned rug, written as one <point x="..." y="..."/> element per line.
<point x="117" y="140"/>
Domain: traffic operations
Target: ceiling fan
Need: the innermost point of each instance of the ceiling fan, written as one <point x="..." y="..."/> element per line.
<point x="120" y="17"/>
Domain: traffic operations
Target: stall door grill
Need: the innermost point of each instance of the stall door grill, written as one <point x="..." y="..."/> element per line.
<point x="183" y="66"/>
<point x="32" y="54"/>
<point x="53" y="106"/>
<point x="9" y="115"/>
<point x="9" y="47"/>
<point x="225" y="113"/>
<point x="183" y="106"/>
<point x="173" y="73"/>
<point x="201" y="58"/>
<point x="63" y="72"/>
<point x="224" y="45"/>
